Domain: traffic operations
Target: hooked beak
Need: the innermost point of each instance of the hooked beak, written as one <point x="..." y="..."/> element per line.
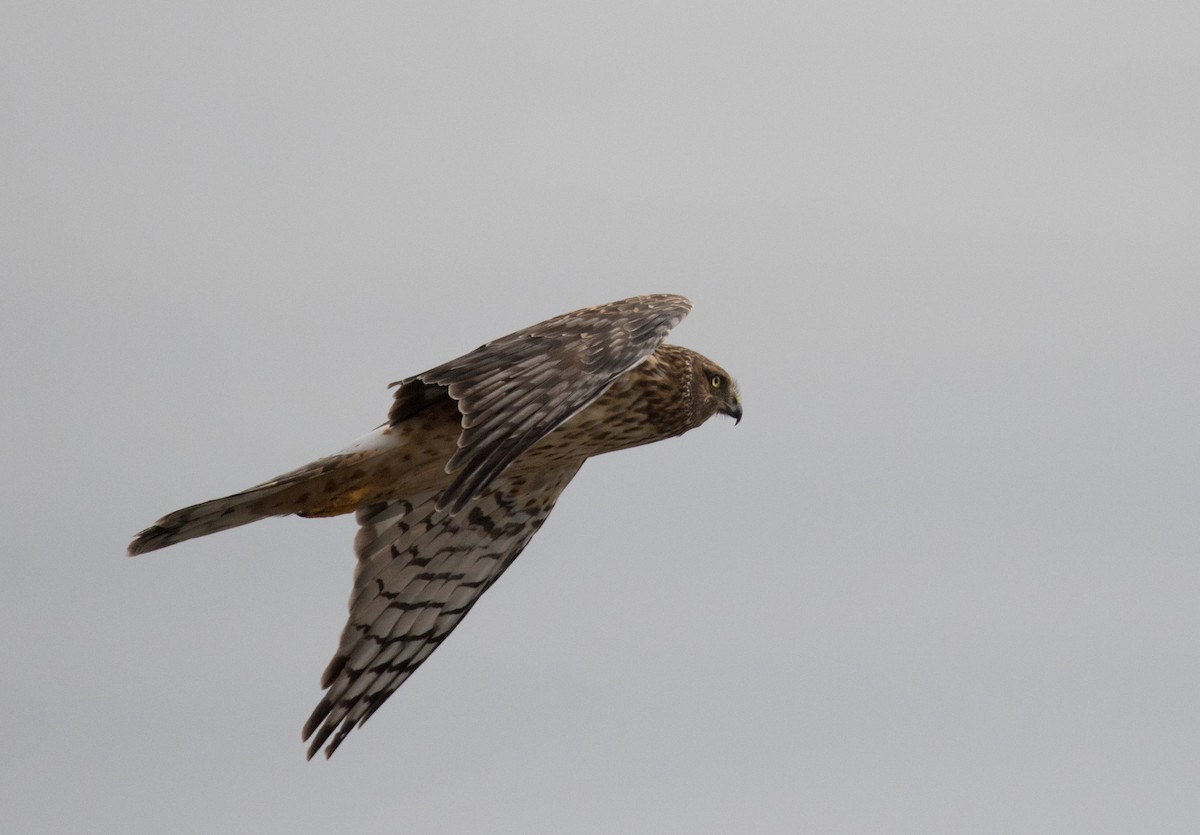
<point x="734" y="410"/>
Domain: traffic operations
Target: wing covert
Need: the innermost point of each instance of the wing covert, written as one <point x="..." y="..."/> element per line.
<point x="515" y="390"/>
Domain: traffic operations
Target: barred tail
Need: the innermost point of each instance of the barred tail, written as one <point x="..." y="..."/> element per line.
<point x="327" y="487"/>
<point x="207" y="517"/>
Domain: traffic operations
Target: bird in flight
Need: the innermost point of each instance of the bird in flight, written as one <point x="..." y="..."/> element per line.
<point x="449" y="491"/>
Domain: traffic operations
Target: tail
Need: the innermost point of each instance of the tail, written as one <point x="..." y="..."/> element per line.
<point x="207" y="517"/>
<point x="327" y="487"/>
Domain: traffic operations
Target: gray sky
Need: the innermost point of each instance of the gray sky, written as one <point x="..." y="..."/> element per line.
<point x="943" y="578"/>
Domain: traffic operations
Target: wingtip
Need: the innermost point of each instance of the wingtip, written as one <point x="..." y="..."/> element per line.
<point x="313" y="747"/>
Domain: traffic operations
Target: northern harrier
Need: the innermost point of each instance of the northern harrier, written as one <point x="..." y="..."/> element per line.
<point x="467" y="468"/>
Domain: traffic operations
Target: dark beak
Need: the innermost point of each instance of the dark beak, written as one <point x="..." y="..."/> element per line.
<point x="734" y="410"/>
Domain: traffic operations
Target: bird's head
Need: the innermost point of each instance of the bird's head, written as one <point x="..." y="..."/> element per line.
<point x="718" y="392"/>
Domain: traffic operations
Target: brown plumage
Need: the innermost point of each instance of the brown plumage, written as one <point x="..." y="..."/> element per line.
<point x="471" y="461"/>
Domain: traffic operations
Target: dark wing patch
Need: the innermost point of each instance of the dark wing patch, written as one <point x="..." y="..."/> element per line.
<point x="420" y="570"/>
<point x="515" y="390"/>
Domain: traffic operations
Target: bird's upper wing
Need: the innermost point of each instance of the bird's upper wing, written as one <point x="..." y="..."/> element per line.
<point x="515" y="390"/>
<point x="420" y="570"/>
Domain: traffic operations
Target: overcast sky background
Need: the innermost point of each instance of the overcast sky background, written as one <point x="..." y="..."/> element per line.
<point x="944" y="576"/>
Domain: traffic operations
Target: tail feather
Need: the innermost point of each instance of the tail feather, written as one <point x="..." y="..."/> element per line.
<point x="369" y="470"/>
<point x="327" y="487"/>
<point x="207" y="517"/>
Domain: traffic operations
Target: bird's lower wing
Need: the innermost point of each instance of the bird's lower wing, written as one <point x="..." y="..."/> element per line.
<point x="420" y="570"/>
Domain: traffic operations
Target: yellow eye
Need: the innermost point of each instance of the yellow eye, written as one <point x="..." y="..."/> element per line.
<point x="716" y="380"/>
